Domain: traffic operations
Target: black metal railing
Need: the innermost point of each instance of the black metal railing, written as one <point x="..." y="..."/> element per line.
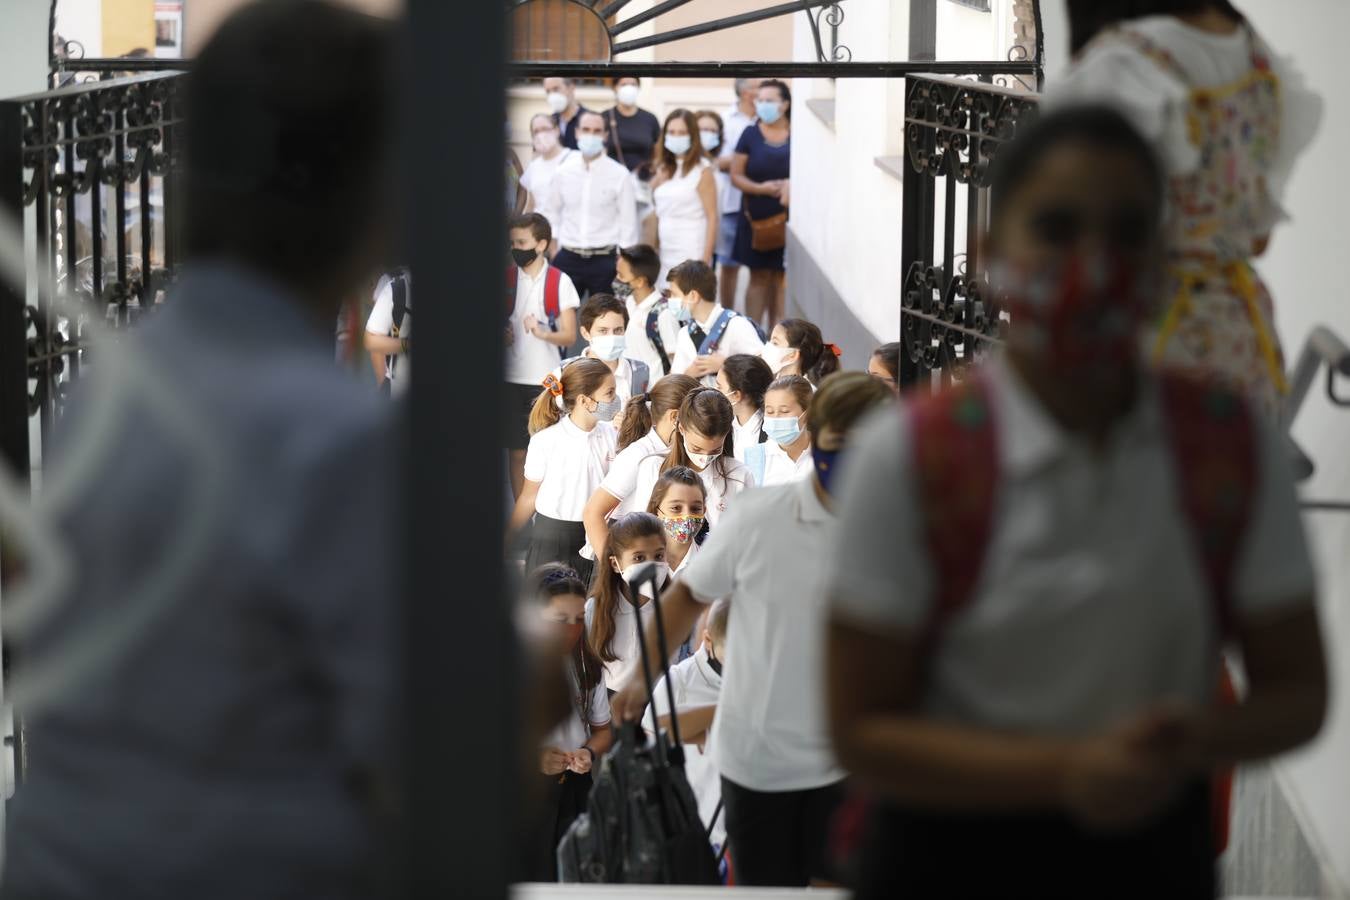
<point x="954" y="127"/>
<point x="94" y="165"/>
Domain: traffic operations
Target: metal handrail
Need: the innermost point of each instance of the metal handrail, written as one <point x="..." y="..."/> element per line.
<point x="1322" y="346"/>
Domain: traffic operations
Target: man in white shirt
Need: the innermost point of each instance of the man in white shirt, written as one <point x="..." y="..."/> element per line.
<point x="389" y="330"/>
<point x="740" y="117"/>
<point x="561" y="96"/>
<point x="780" y="780"/>
<point x="592" y="201"/>
<point x="714" y="332"/>
<point x="1036" y="573"/>
<point x="652" y="330"/>
<point x="541" y="322"/>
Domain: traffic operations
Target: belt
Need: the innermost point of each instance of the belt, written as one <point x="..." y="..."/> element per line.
<point x="588" y="252"/>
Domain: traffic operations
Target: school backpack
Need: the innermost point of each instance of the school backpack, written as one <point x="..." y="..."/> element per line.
<point x="708" y="342"/>
<point x="552" y="291"/>
<point x="641" y="824"/>
<point x="954" y="439"/>
<point x="654" y="336"/>
<point x="399" y="284"/>
<point x="642" y="375"/>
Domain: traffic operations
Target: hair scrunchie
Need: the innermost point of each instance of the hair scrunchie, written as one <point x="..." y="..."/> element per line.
<point x="834" y="348"/>
<point x="553" y="385"/>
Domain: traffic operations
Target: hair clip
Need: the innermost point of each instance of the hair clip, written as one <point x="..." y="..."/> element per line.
<point x="553" y="385"/>
<point x="834" y="348"/>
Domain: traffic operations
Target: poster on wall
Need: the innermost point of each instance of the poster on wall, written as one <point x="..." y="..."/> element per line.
<point x="169" y="29"/>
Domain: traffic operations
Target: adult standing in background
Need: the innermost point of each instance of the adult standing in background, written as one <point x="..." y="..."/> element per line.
<point x="633" y="131"/>
<point x="561" y="95"/>
<point x="548" y="155"/>
<point x="591" y="199"/>
<point x="684" y="195"/>
<point x="760" y="169"/>
<point x="739" y="117"/>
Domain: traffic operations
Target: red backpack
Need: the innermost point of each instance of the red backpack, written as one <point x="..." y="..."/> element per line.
<point x="552" y="306"/>
<point x="954" y="439"/>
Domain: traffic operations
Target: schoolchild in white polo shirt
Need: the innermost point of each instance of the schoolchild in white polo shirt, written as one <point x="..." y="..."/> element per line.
<point x="680" y="501"/>
<point x="571" y="446"/>
<point x="541" y="322"/>
<point x="653" y="329"/>
<point x="633" y="541"/>
<point x="786" y="455"/>
<point x="649" y="423"/>
<point x="604" y="326"/>
<point x="711" y="332"/>
<point x="744" y="379"/>
<point x="780" y="781"/>
<point x="1035" y="572"/>
<point x="702" y="442"/>
<point x="696" y="683"/>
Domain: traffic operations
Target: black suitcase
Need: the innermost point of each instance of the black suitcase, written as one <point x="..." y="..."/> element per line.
<point x="642" y="824"/>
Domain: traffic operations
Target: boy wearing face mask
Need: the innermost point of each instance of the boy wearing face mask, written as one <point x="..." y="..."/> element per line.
<point x="592" y="201"/>
<point x="780" y="781"/>
<point x="561" y="96"/>
<point x="711" y="332"/>
<point x="604" y="323"/>
<point x="654" y="330"/>
<point x="534" y="338"/>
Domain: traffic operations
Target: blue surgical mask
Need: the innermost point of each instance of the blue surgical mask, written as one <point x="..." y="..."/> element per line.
<point x="826" y="463"/>
<point x="590" y="145"/>
<point x="710" y="139"/>
<point x="678" y="144"/>
<point x="783" y="429"/>
<point x="769" y="111"/>
<point x="678" y="309"/>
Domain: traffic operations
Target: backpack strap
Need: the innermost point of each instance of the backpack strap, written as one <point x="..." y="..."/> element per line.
<point x="512" y="273"/>
<point x="755" y="459"/>
<point x="552" y="302"/>
<point x="642" y="376"/>
<point x="707" y="343"/>
<point x="1213" y="437"/>
<point x="954" y="440"/>
<point x="654" y="336"/>
<point x="399" y="286"/>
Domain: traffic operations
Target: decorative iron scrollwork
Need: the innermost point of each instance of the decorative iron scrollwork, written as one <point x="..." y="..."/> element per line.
<point x="833" y="16"/>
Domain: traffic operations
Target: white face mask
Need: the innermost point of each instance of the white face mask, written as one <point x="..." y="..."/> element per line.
<point x="645" y="589"/>
<point x="710" y="139"/>
<point x="545" y="141"/>
<point x="775" y="356"/>
<point x="628" y="94"/>
<point x="557" y="101"/>
<point x="702" y="460"/>
<point x="608" y="347"/>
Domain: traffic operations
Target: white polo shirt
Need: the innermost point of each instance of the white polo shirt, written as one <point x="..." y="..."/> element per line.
<point x="747" y="435"/>
<point x="528" y="359"/>
<point x="779" y="468"/>
<point x="623" y="376"/>
<point x="724" y="479"/>
<point x="1091" y="604"/>
<point x="398" y="368"/>
<point x="621" y="481"/>
<point x="739" y="337"/>
<point x="622" y="671"/>
<point x="571" y="733"/>
<point x="768" y="555"/>
<point x="694" y="684"/>
<point x="639" y="346"/>
<point x="569" y="465"/>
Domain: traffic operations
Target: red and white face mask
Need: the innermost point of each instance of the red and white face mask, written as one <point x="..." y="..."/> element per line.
<point x="1082" y="314"/>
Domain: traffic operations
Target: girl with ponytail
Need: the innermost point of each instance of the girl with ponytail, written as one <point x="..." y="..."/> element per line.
<point x="743" y="380"/>
<point x="703" y="442"/>
<point x="796" y="348"/>
<point x="648" y="427"/>
<point x="631" y="543"/>
<point x="571" y="446"/>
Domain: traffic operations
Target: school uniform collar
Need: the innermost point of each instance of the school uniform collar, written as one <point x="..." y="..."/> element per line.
<point x="644" y="306"/>
<point x="712" y="317"/>
<point x="809" y="507"/>
<point x="1029" y="437"/>
<point x="571" y="429"/>
<point x="655" y="437"/>
<point x="535" y="279"/>
<point x="688" y="556"/>
<point x="755" y="423"/>
<point x="705" y="669"/>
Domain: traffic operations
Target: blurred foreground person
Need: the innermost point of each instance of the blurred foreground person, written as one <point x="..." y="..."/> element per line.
<point x="1035" y="573"/>
<point x="228" y="741"/>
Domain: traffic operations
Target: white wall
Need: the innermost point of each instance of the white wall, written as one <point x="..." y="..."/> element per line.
<point x="1303" y="271"/>
<point x="82" y="20"/>
<point x="23" y="46"/>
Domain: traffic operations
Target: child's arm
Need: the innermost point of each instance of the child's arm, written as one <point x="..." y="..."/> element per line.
<point x="694" y="722"/>
<point x="524" y="508"/>
<point x="565" y="336"/>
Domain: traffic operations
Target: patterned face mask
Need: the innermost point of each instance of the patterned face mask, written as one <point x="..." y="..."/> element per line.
<point x="683" y="528"/>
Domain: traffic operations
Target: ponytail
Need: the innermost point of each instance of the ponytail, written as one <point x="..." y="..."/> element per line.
<point x="607" y="586"/>
<point x="580" y="377"/>
<point x="642" y="412"/>
<point x="816" y="359"/>
<point x="708" y="412"/>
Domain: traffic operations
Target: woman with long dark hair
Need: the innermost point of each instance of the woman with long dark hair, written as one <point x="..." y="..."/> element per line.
<point x="1229" y="119"/>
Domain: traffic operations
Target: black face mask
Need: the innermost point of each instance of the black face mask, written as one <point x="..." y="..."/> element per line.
<point x="524" y="257"/>
<point x="714" y="662"/>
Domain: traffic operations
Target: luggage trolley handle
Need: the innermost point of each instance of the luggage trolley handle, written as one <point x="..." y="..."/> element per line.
<point x="648" y="573"/>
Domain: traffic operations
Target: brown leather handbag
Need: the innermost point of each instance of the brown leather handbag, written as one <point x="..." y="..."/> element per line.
<point x="768" y="234"/>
